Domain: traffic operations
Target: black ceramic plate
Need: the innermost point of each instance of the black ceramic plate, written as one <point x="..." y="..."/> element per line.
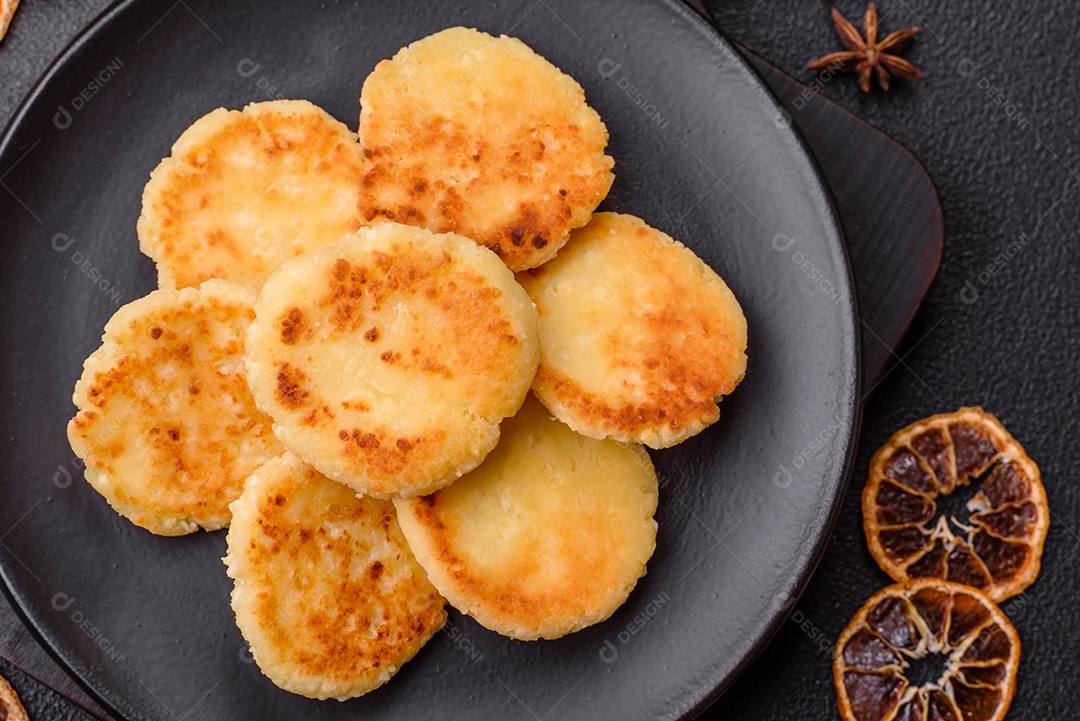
<point x="701" y="151"/>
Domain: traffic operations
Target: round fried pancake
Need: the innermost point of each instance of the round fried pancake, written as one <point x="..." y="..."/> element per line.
<point x="326" y="591"/>
<point x="549" y="535"/>
<point x="244" y="191"/>
<point x="166" y="425"/>
<point x="639" y="338"/>
<point x="389" y="360"/>
<point x="471" y="134"/>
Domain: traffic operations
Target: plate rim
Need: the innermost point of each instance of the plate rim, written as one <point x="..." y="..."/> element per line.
<point x="852" y="406"/>
<point x="824" y="534"/>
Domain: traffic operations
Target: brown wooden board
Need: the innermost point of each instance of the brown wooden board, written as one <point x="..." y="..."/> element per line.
<point x="888" y="205"/>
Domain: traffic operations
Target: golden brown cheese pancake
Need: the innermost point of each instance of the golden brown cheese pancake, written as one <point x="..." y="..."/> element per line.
<point x="476" y="135"/>
<point x="549" y="535"/>
<point x="639" y="338"/>
<point x="244" y="191"/>
<point x="326" y="591"/>
<point x="166" y="424"/>
<point x="389" y="360"/>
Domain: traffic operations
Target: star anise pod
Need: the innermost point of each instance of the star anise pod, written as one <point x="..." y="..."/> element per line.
<point x="868" y="56"/>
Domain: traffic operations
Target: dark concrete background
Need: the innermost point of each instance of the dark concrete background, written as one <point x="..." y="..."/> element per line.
<point x="995" y="124"/>
<point x="994" y="121"/>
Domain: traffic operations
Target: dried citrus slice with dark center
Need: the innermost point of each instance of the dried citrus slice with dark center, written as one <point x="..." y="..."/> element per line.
<point x="11" y="709"/>
<point x="954" y="631"/>
<point x="996" y="547"/>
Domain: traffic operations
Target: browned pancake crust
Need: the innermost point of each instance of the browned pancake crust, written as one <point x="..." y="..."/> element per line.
<point x="388" y="360"/>
<point x="639" y="339"/>
<point x="326" y="590"/>
<point x="166" y="424"/>
<point x="548" y="536"/>
<point x="244" y="191"/>
<point x="480" y="136"/>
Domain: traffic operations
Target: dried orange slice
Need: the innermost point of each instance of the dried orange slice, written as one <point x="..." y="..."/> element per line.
<point x="11" y="709"/>
<point x="7" y="10"/>
<point x="951" y="635"/>
<point x="997" y="547"/>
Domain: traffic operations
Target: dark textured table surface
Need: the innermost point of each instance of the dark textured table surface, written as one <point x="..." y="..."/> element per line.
<point x="995" y="124"/>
